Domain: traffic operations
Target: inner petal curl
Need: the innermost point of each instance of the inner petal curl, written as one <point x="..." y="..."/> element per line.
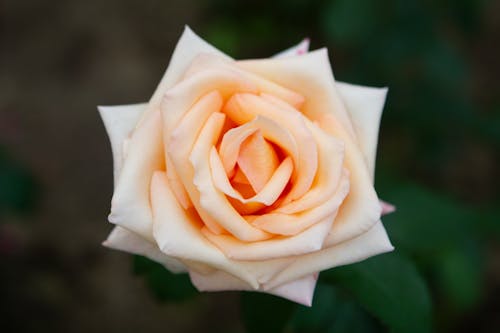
<point x="258" y="160"/>
<point x="212" y="201"/>
<point x="230" y="145"/>
<point x="243" y="107"/>
<point x="268" y="194"/>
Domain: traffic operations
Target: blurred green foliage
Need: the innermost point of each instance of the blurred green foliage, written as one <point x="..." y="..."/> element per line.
<point x="333" y="311"/>
<point x="439" y="134"/>
<point x="389" y="287"/>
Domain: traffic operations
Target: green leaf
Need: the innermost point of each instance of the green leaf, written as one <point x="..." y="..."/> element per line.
<point x="425" y="222"/>
<point x="332" y="311"/>
<point x="460" y="277"/>
<point x="263" y="313"/>
<point x="351" y="318"/>
<point x="318" y="317"/>
<point x="389" y="287"/>
<point x="164" y="285"/>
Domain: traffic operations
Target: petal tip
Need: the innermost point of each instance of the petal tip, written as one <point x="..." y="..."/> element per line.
<point x="387" y="208"/>
<point x="113" y="218"/>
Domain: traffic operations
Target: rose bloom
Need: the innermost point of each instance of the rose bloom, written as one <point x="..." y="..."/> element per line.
<point x="248" y="175"/>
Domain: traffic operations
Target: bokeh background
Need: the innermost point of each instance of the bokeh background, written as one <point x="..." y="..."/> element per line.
<point x="438" y="161"/>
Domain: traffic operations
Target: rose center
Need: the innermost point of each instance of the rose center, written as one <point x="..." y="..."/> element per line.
<point x="256" y="163"/>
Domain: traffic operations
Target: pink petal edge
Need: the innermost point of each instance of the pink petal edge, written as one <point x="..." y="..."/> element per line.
<point x="387" y="208"/>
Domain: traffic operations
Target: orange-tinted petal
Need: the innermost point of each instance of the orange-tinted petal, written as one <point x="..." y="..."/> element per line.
<point x="293" y="224"/>
<point x="310" y="240"/>
<point x="268" y="194"/>
<point x="258" y="160"/>
<point x="244" y="107"/>
<point x="181" y="143"/>
<point x="213" y="202"/>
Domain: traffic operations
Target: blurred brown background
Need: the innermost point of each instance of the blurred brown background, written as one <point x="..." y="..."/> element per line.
<point x="59" y="59"/>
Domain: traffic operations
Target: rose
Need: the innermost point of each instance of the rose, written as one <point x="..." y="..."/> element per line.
<point x="249" y="175"/>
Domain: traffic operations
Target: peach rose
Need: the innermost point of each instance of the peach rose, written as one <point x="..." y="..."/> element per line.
<point x="248" y="175"/>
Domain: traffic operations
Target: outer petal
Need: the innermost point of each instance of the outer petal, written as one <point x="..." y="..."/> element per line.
<point x="217" y="281"/>
<point x="130" y="206"/>
<point x="188" y="47"/>
<point x="296" y="50"/>
<point x="370" y="243"/>
<point x="365" y="105"/>
<point x="178" y="235"/>
<point x="310" y="240"/>
<point x="124" y="240"/>
<point x="119" y="121"/>
<point x="311" y="76"/>
<point x="300" y="290"/>
<point x="387" y="208"/>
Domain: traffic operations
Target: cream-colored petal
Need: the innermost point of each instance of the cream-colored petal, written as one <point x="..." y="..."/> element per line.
<point x="265" y="270"/>
<point x="178" y="235"/>
<point x="213" y="202"/>
<point x="365" y="105"/>
<point x="368" y="244"/>
<point x="205" y="60"/>
<point x="124" y="240"/>
<point x="361" y="208"/>
<point x="178" y="100"/>
<point x="311" y="76"/>
<point x="217" y="281"/>
<point x="130" y="206"/>
<point x="310" y="240"/>
<point x="262" y="271"/>
<point x="300" y="291"/>
<point x="120" y="121"/>
<point x="187" y="49"/>
<point x="296" y="50"/>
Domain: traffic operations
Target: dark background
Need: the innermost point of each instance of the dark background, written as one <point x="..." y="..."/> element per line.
<point x="438" y="161"/>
